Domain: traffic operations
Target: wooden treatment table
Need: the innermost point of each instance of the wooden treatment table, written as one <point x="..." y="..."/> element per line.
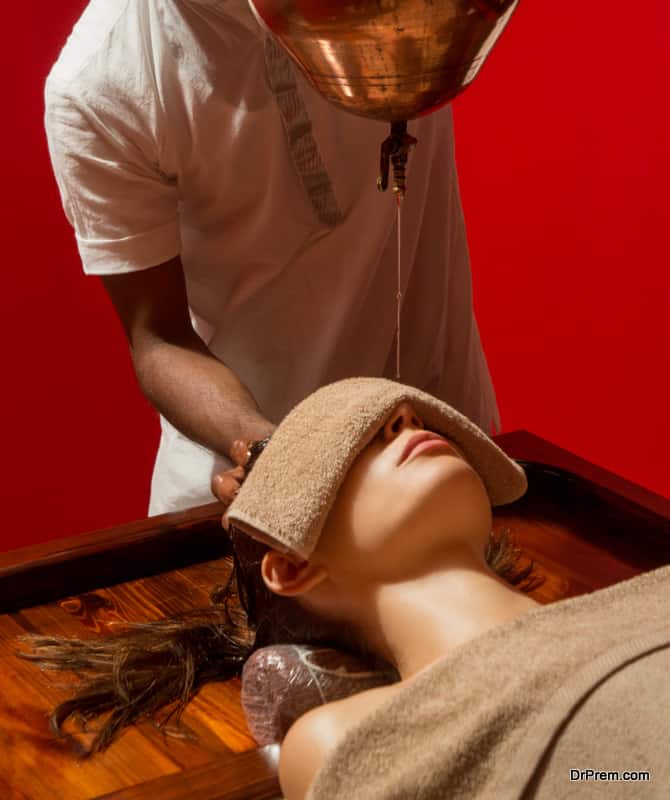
<point x="585" y="526"/>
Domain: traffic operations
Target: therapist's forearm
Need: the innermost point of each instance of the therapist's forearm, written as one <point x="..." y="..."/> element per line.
<point x="202" y="397"/>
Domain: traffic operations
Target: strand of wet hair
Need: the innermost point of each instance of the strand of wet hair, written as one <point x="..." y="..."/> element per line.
<point x="150" y="666"/>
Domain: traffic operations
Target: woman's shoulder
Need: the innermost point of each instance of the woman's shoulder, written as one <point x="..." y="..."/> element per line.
<point x="314" y="735"/>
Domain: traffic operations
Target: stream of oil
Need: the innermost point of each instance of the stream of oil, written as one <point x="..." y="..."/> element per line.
<point x="398" y="296"/>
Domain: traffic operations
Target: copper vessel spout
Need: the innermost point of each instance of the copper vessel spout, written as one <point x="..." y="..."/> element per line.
<point x="390" y="60"/>
<point x="396" y="150"/>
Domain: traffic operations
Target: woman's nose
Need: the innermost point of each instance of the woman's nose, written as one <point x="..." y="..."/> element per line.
<point x="404" y="416"/>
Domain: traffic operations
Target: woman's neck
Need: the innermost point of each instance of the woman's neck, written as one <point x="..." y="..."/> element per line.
<point x="415" y="622"/>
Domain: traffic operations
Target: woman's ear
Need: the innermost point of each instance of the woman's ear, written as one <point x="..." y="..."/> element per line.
<point x="288" y="575"/>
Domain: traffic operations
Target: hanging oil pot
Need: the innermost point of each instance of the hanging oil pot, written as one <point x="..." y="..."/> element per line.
<point x="390" y="60"/>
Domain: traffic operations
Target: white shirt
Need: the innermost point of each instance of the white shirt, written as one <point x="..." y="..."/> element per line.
<point x="180" y="127"/>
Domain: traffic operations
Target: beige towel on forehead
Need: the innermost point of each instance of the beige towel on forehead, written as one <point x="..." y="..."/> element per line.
<point x="289" y="492"/>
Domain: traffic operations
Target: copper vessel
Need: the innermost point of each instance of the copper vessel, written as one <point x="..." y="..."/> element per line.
<point x="389" y="60"/>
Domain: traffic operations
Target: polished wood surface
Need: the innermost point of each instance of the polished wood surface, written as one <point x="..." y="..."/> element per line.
<point x="584" y="532"/>
<point x="76" y="564"/>
<point x="34" y="765"/>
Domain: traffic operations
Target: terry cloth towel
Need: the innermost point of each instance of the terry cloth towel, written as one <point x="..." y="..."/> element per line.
<point x="287" y="495"/>
<point x="578" y="685"/>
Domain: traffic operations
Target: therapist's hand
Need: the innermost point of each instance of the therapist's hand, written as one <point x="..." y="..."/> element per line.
<point x="225" y="485"/>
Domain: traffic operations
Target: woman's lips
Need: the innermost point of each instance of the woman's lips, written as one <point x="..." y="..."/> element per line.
<point x="420" y="442"/>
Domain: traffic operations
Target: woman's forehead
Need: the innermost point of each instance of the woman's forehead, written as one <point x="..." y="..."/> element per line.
<point x="290" y="490"/>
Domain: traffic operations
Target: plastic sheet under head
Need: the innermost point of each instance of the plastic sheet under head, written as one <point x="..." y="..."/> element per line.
<point x="282" y="682"/>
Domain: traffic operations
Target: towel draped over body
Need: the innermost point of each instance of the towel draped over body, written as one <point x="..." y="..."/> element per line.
<point x="581" y="684"/>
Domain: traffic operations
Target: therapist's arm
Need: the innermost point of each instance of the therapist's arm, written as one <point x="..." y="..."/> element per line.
<point x="197" y="393"/>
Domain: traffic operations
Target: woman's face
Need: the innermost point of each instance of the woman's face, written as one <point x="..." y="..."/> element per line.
<point x="409" y="497"/>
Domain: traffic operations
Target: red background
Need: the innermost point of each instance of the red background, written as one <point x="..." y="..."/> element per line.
<point x="564" y="161"/>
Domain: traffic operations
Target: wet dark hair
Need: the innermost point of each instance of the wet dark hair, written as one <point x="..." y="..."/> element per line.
<point x="161" y="665"/>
